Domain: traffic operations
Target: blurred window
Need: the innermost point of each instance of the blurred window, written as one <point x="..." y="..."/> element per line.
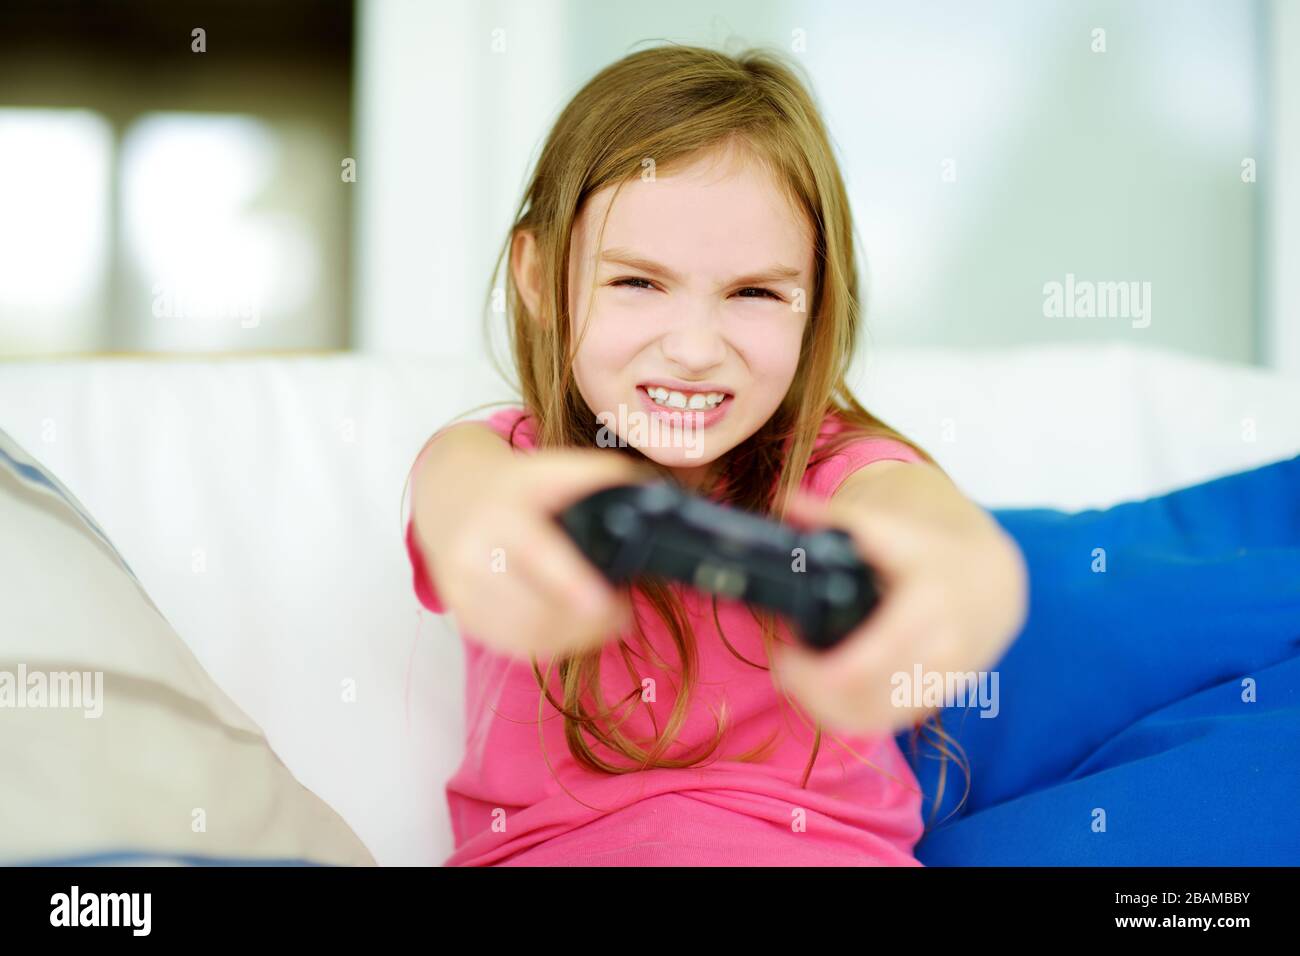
<point x="55" y="169"/>
<point x="171" y="175"/>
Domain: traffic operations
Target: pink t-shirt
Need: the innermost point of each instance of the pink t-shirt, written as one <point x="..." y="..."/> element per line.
<point x="508" y="807"/>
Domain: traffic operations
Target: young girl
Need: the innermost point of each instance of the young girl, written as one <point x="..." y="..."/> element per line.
<point x="683" y="258"/>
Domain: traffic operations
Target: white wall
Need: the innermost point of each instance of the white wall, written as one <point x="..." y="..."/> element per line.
<point x="1115" y="166"/>
<point x="452" y="100"/>
<point x="1282" y="272"/>
<point x="1122" y="165"/>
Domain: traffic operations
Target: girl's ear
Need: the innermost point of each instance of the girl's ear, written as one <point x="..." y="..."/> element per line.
<point x="525" y="265"/>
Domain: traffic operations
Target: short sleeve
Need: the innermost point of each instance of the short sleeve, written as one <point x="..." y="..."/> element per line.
<point x="424" y="589"/>
<point x="516" y="426"/>
<point x="825" y="478"/>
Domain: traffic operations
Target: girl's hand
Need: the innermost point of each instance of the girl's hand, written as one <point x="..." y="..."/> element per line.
<point x="955" y="595"/>
<point x="506" y="569"/>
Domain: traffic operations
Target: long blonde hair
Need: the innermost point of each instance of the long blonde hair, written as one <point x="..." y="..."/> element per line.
<point x="674" y="103"/>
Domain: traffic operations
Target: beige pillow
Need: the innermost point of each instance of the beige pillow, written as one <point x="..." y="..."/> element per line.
<point x="114" y="741"/>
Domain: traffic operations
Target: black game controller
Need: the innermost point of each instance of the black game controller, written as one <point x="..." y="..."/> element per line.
<point x="660" y="530"/>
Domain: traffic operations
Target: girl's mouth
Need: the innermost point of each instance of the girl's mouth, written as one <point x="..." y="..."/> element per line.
<point x="682" y="409"/>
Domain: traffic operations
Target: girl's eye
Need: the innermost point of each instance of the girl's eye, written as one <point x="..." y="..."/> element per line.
<point x="631" y="282"/>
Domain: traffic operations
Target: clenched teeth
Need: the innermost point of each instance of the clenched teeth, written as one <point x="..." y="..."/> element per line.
<point x="672" y="399"/>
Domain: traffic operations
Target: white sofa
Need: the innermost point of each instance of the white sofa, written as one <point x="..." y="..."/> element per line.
<point x="259" y="500"/>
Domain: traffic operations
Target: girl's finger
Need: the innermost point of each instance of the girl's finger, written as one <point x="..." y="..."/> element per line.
<point x="867" y="708"/>
<point x="884" y="541"/>
<point x="562" y="478"/>
<point x="502" y="611"/>
<point x="910" y="632"/>
<point x="549" y="558"/>
<point x="519" y="614"/>
<point x="892" y="638"/>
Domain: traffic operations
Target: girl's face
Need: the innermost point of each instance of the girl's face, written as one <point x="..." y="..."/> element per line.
<point x="701" y="287"/>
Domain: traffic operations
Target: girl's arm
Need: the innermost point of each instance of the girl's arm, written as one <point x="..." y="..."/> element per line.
<point x="447" y="472"/>
<point x="955" y="595"/>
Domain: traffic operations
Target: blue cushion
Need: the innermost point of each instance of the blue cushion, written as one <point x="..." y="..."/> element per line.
<point x="1129" y="690"/>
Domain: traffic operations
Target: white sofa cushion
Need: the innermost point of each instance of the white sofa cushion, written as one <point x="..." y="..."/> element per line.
<point x="113" y="738"/>
<point x="259" y="500"/>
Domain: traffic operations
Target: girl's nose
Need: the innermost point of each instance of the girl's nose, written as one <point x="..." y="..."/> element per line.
<point x="695" y="345"/>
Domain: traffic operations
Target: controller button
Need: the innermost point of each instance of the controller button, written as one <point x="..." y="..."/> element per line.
<point x="839" y="589"/>
<point x="716" y="579"/>
<point x="658" y="499"/>
<point x="830" y="548"/>
<point x="622" y="521"/>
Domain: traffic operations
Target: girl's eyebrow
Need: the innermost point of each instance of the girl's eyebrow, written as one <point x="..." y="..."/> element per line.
<point x="630" y="259"/>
